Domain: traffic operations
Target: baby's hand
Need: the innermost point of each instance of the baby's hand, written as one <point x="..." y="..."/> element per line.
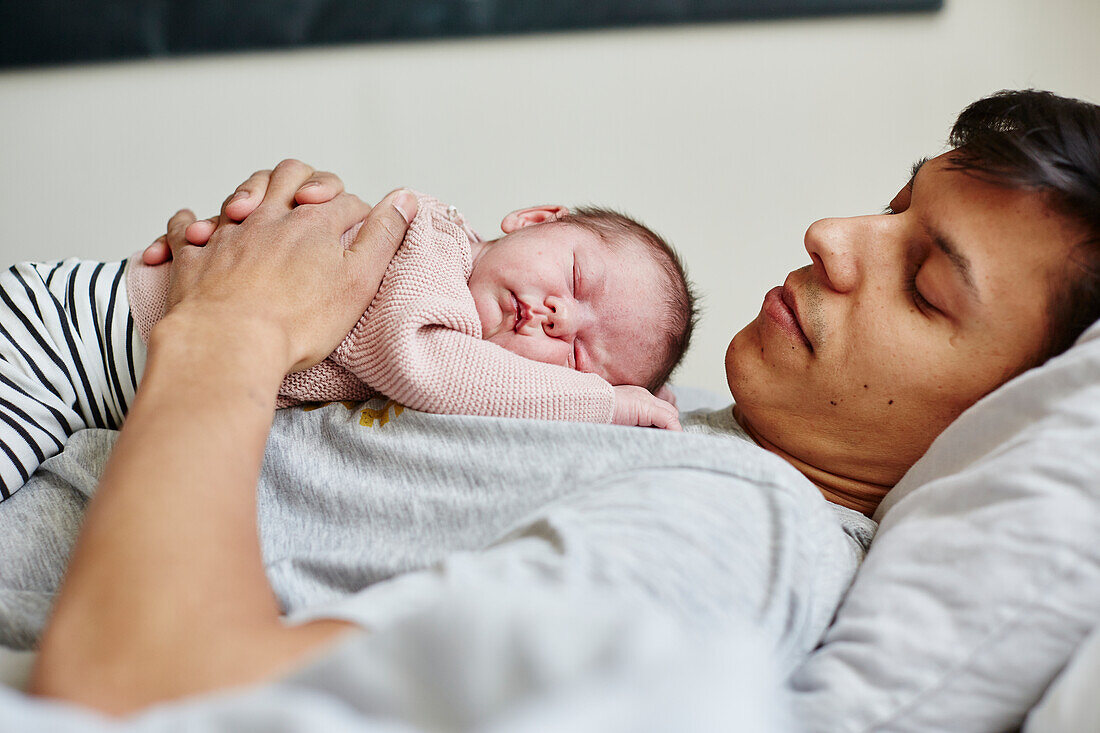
<point x="636" y="406"/>
<point x="665" y="393"/>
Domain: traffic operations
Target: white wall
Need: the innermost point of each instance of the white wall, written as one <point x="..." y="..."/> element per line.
<point x="729" y="139"/>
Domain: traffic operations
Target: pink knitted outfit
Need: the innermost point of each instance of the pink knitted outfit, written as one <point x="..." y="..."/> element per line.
<point x="419" y="342"/>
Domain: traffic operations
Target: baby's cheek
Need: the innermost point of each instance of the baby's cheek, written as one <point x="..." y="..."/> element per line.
<point x="510" y="342"/>
<point x="532" y="348"/>
<point x="519" y="346"/>
<point x="485" y="315"/>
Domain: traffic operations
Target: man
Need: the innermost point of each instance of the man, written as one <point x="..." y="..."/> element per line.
<point x="984" y="265"/>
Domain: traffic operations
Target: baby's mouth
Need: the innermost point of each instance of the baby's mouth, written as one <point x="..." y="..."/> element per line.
<point x="519" y="310"/>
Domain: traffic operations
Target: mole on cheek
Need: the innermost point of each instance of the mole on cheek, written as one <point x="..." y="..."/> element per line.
<point x="890" y="402"/>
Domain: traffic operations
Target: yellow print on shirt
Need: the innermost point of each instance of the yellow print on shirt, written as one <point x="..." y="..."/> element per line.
<point x="383" y="415"/>
<point x="369" y="415"/>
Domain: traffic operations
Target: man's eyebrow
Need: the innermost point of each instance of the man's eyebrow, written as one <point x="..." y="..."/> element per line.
<point x="959" y="261"/>
<point x="917" y="165"/>
<point x="944" y="244"/>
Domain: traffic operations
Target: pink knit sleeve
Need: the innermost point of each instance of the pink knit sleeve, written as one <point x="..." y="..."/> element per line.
<point x="147" y="291"/>
<point x="445" y="371"/>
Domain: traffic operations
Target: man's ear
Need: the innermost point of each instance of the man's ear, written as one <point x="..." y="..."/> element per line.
<point x="535" y="215"/>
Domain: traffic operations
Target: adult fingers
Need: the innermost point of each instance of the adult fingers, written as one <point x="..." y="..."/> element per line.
<point x="158" y="252"/>
<point x="322" y="186"/>
<point x="284" y="182"/>
<point x="198" y="233"/>
<point x="177" y="228"/>
<point x="381" y="234"/>
<point x="336" y="216"/>
<point x="385" y="226"/>
<point x="318" y="188"/>
<point x="246" y="197"/>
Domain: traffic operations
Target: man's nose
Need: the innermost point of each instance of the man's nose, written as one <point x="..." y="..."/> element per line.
<point x="836" y="247"/>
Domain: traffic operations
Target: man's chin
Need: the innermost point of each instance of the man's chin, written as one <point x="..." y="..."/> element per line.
<point x="743" y="354"/>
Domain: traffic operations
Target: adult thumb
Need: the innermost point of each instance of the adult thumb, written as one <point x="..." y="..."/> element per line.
<point x="385" y="226"/>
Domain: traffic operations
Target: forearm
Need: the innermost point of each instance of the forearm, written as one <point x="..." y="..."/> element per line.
<point x="168" y="566"/>
<point x="166" y="593"/>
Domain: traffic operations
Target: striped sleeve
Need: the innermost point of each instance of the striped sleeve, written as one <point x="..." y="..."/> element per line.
<point x="69" y="359"/>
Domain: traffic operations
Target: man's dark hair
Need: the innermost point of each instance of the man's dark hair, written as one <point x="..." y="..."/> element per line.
<point x="681" y="311"/>
<point x="1038" y="141"/>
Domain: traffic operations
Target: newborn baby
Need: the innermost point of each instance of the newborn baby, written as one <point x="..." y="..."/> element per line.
<point x="568" y="316"/>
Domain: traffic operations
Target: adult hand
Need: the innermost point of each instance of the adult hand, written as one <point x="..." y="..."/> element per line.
<point x="283" y="270"/>
<point x="275" y="292"/>
<point x="637" y="406"/>
<point x="321" y="187"/>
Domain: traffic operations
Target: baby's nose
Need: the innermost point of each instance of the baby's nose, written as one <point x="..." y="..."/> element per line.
<point x="559" y="320"/>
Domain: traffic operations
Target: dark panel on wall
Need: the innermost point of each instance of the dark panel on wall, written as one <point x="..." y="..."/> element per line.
<point x="66" y="31"/>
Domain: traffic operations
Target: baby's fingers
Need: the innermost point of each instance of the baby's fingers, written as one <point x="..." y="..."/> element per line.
<point x="665" y="393"/>
<point x="657" y="412"/>
<point x="636" y="406"/>
<point x="665" y="416"/>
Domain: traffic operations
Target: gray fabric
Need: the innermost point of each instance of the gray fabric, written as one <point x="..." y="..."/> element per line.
<point x="493" y="658"/>
<point x="347" y="500"/>
<point x="611" y="664"/>
<point x="379" y="515"/>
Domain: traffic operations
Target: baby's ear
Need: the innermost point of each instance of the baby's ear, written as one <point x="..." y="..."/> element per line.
<point x="535" y="215"/>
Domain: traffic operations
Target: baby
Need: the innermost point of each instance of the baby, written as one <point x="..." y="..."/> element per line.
<point x="568" y="316"/>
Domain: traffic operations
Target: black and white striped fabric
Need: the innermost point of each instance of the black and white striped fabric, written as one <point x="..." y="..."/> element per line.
<point x="70" y="358"/>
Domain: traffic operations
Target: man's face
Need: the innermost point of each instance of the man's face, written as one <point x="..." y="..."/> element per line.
<point x="901" y="322"/>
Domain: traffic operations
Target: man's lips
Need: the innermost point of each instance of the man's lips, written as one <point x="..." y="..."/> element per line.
<point x="790" y="302"/>
<point x="781" y="307"/>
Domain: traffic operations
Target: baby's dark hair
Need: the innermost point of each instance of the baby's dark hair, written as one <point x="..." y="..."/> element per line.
<point x="681" y="310"/>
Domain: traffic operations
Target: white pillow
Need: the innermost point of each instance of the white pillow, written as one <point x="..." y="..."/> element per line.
<point x="1071" y="703"/>
<point x="689" y="399"/>
<point x="984" y="576"/>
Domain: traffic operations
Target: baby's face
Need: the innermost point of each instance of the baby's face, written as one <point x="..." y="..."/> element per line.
<point x="557" y="293"/>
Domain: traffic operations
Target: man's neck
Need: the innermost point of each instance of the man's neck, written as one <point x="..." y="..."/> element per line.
<point x="862" y="496"/>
